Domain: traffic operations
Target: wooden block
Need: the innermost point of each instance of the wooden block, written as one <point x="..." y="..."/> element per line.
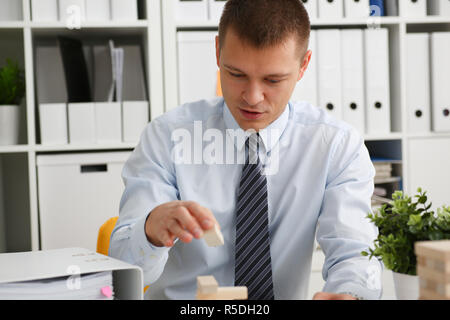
<point x="426" y="294"/>
<point x="432" y="274"/>
<point x="225" y="293"/>
<point x="206" y="285"/>
<point x="214" y="237"/>
<point x="437" y="250"/>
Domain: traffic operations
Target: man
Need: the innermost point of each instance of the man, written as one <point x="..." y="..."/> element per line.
<point x="301" y="171"/>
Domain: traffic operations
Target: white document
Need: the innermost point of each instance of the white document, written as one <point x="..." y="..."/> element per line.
<point x="418" y="82"/>
<point x="306" y="88"/>
<point x="312" y="7"/>
<point x="329" y="71"/>
<point x="377" y="81"/>
<point x="53" y="123"/>
<point x="11" y="10"/>
<point x="331" y="9"/>
<point x="439" y="8"/>
<point x="44" y="10"/>
<point x="81" y="123"/>
<point x="108" y="122"/>
<point x="51" y="86"/>
<point x="135" y="118"/>
<point x="98" y="10"/>
<point x="118" y="56"/>
<point x="440" y="70"/>
<point x="191" y="10"/>
<point x="73" y="262"/>
<point x="197" y="66"/>
<point x="94" y="286"/>
<point x="124" y="10"/>
<point x="112" y="89"/>
<point x="72" y="10"/>
<point x="357" y="8"/>
<point x="413" y="8"/>
<point x="353" y="100"/>
<point x="216" y="9"/>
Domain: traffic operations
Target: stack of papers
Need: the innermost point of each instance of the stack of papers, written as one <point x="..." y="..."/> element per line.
<point x="93" y="286"/>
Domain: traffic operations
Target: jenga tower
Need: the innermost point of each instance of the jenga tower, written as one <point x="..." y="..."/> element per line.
<point x="433" y="269"/>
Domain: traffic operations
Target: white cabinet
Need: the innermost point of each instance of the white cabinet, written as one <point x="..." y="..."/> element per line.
<point x="77" y="194"/>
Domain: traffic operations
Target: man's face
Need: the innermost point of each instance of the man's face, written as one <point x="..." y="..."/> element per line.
<point x="258" y="83"/>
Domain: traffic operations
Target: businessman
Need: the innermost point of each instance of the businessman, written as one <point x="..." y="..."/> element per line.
<point x="273" y="174"/>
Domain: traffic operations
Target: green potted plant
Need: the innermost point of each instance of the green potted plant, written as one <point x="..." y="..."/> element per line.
<point x="401" y="223"/>
<point x="12" y="91"/>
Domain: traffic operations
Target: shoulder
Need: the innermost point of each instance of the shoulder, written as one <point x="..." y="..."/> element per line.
<point x="186" y="114"/>
<point x="305" y="117"/>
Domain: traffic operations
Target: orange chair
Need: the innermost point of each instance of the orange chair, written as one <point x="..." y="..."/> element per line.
<point x="104" y="234"/>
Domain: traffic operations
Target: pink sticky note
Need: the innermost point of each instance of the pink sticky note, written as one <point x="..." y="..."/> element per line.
<point x="106" y="291"/>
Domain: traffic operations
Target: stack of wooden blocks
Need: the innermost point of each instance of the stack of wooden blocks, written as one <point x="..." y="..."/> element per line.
<point x="433" y="269"/>
<point x="207" y="286"/>
<point x="208" y="289"/>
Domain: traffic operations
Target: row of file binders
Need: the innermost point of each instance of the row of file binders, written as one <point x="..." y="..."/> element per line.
<point x="332" y="9"/>
<point x="422" y="8"/>
<point x="326" y="9"/>
<point x="88" y="10"/>
<point x="348" y="74"/>
<point x="203" y="10"/>
<point x="199" y="10"/>
<point x="349" y="77"/>
<point x="427" y="79"/>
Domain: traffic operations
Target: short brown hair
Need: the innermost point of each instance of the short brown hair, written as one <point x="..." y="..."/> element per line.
<point x="265" y="23"/>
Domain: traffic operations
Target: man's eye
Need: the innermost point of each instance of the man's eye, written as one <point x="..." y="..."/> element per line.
<point x="236" y="75"/>
<point x="272" y="81"/>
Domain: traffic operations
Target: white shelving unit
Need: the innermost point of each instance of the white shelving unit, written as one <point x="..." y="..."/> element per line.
<point x="19" y="213"/>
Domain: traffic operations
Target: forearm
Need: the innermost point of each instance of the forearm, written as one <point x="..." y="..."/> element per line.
<point x="129" y="243"/>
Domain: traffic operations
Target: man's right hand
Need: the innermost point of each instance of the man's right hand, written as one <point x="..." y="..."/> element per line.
<point x="184" y="220"/>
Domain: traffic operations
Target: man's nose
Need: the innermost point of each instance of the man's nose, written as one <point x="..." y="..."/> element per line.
<point x="253" y="94"/>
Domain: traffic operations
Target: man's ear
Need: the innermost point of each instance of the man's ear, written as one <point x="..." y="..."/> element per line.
<point x="305" y="64"/>
<point x="217" y="52"/>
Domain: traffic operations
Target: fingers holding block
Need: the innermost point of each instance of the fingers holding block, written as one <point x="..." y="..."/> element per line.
<point x="207" y="285"/>
<point x="225" y="293"/>
<point x="214" y="237"/>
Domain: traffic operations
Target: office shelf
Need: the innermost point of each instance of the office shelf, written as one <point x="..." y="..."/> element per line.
<point x="19" y="216"/>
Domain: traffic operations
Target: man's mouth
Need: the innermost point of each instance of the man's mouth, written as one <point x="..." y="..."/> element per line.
<point x="251" y="115"/>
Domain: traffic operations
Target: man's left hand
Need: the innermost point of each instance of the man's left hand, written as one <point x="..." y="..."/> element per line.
<point x="333" y="296"/>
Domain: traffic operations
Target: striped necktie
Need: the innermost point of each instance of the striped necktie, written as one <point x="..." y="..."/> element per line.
<point x="253" y="267"/>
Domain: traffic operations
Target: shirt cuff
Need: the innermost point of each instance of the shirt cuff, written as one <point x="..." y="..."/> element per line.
<point x="357" y="291"/>
<point x="144" y="251"/>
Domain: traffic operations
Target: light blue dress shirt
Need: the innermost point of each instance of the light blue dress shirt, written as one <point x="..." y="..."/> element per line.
<point x="322" y="188"/>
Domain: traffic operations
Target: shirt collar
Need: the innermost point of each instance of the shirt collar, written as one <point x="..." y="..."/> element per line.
<point x="269" y="135"/>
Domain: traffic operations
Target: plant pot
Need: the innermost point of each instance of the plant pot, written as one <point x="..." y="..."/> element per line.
<point x="406" y="286"/>
<point x="9" y="124"/>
